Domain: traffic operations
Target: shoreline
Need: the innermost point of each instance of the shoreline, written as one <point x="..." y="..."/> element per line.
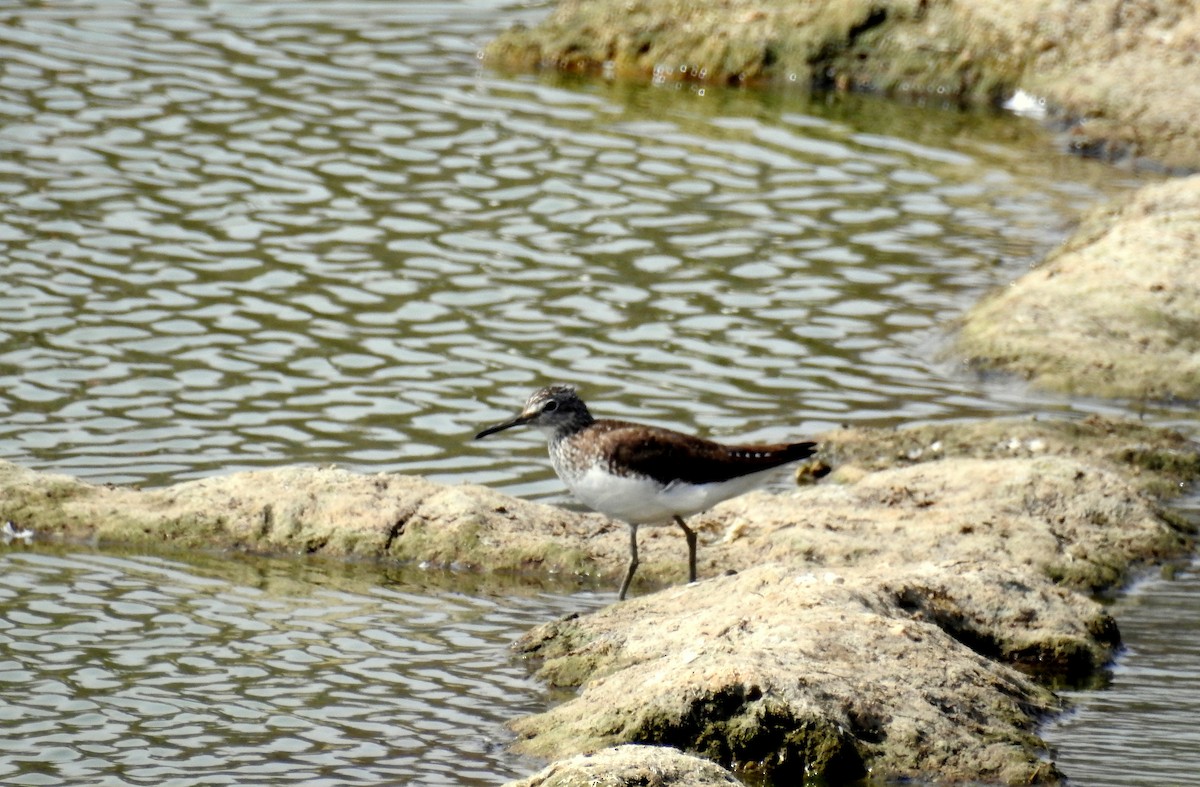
<point x="966" y="552"/>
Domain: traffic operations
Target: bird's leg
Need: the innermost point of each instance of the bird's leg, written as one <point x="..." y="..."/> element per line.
<point x="690" y="535"/>
<point x="633" y="562"/>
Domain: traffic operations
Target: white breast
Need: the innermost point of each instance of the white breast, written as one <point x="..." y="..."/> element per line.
<point x="643" y="501"/>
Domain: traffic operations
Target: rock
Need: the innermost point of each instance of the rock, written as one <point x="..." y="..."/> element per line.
<point x="328" y="511"/>
<point x="631" y="766"/>
<point x="903" y="625"/>
<point x="1159" y="462"/>
<point x="1115" y="311"/>
<point x="798" y="675"/>
<point x="1077" y="523"/>
<point x="881" y="635"/>
<point x="310" y="510"/>
<point x="1010" y="615"/>
<point x="1119" y="73"/>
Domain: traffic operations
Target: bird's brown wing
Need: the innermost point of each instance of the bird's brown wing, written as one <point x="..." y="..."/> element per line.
<point x="666" y="455"/>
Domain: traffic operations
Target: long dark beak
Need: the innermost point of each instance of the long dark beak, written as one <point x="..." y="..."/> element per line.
<point x="509" y="424"/>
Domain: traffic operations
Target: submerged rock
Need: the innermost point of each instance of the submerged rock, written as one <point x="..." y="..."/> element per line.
<point x="1114" y="312"/>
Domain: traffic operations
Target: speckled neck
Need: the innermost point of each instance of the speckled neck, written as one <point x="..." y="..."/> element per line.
<point x="569" y="423"/>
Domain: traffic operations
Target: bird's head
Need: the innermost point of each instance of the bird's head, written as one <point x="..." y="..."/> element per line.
<point x="553" y="409"/>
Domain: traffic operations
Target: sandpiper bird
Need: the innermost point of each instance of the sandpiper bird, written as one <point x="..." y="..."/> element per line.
<point x="644" y="475"/>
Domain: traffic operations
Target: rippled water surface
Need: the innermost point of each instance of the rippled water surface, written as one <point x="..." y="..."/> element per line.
<point x="1141" y="730"/>
<point x="247" y="234"/>
<point x="241" y="234"/>
<point x="136" y="670"/>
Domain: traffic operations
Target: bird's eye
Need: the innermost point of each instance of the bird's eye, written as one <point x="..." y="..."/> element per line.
<point x="550" y="406"/>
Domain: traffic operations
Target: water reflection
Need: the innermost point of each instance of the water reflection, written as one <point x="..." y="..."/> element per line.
<point x="318" y="232"/>
<point x="155" y="671"/>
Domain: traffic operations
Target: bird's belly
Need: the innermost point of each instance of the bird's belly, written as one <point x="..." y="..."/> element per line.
<point x="643" y="501"/>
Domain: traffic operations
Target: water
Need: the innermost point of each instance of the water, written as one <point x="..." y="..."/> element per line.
<point x="1140" y="730"/>
<point x="143" y="670"/>
<point x="248" y="234"/>
<point x="257" y="233"/>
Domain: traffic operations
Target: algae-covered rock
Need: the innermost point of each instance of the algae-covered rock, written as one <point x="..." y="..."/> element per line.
<point x="631" y="766"/>
<point x="1115" y="311"/>
<point x="794" y="675"/>
<point x="309" y="510"/>
<point x="1123" y="72"/>
<point x="847" y="43"/>
<point x="1157" y="461"/>
<point x="903" y="621"/>
<point x="328" y="511"/>
<point x="1014" y="616"/>
<point x="1079" y="523"/>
